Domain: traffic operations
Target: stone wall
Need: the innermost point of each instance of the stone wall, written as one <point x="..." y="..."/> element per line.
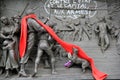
<point x="12" y="7"/>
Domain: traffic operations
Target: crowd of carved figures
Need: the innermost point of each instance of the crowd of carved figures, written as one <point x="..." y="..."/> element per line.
<point x="10" y="36"/>
<point x="82" y="28"/>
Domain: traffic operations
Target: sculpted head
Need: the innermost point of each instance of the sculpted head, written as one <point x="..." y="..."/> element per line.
<point x="4" y="20"/>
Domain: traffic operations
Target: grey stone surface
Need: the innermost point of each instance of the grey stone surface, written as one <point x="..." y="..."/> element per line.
<point x="109" y="62"/>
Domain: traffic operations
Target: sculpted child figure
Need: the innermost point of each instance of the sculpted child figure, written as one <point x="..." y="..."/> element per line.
<point x="74" y="59"/>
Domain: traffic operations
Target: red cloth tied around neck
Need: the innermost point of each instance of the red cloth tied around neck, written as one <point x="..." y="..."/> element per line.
<point x="98" y="75"/>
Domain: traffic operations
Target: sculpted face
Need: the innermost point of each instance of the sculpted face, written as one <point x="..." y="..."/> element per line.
<point x="4" y="20"/>
<point x="16" y="18"/>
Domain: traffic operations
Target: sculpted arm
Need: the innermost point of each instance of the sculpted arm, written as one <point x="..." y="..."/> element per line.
<point x="2" y="35"/>
<point x="35" y="25"/>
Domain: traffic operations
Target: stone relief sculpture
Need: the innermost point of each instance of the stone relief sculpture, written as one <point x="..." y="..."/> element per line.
<point x="16" y="21"/>
<point x="30" y="42"/>
<point x="102" y="30"/>
<point x="47" y="46"/>
<point x="2" y="66"/>
<point x="75" y="32"/>
<point x="77" y="28"/>
<point x="43" y="45"/>
<point x="83" y="28"/>
<point x="68" y="29"/>
<point x="117" y="36"/>
<point x="74" y="59"/>
<point x="8" y="55"/>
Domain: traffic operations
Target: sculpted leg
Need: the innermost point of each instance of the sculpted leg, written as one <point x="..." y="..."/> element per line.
<point x="30" y="44"/>
<point x="80" y="34"/>
<point x="37" y="61"/>
<point x="85" y="64"/>
<point x="7" y="67"/>
<point x="102" y="43"/>
<point x="107" y="42"/>
<point x="12" y="59"/>
<point x="52" y="58"/>
<point x="7" y="73"/>
<point x="22" y="71"/>
<point x="46" y="62"/>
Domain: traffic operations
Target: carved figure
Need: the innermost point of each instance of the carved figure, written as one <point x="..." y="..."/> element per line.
<point x="44" y="45"/>
<point x="66" y="45"/>
<point x="110" y="25"/>
<point x="102" y="30"/>
<point x="16" y="21"/>
<point x="76" y="60"/>
<point x="2" y="66"/>
<point x="75" y="26"/>
<point x="117" y="36"/>
<point x="83" y="28"/>
<point x="9" y="55"/>
<point x="33" y="28"/>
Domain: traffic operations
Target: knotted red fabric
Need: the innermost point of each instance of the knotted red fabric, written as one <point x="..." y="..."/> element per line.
<point x="98" y="75"/>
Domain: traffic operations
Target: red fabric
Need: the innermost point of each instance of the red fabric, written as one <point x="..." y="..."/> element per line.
<point x="23" y="37"/>
<point x="98" y="75"/>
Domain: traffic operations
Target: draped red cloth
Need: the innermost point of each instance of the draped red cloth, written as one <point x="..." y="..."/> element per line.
<point x="98" y="75"/>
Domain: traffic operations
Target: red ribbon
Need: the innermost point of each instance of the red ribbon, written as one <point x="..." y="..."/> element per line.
<point x="98" y="75"/>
